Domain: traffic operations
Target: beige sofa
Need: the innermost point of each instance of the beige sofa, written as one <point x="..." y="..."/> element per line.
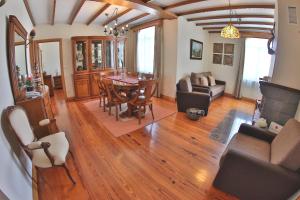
<point x="260" y="165"/>
<point x="214" y="91"/>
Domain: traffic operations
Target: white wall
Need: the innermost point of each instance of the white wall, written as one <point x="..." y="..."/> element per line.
<point x="50" y="58"/>
<point x="66" y="32"/>
<point x="287" y="63"/>
<point x="14" y="183"/>
<point x="186" y="31"/>
<point x="170" y="28"/>
<point x="224" y="72"/>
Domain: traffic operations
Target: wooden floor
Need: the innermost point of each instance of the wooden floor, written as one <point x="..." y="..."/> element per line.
<point x="172" y="159"/>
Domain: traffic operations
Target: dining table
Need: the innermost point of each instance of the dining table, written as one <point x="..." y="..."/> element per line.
<point x="127" y="84"/>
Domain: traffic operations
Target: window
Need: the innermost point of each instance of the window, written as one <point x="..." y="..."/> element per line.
<point x="145" y="50"/>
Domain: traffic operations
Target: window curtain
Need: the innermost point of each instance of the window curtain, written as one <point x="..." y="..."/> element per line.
<point x="158" y="57"/>
<point x="131" y="52"/>
<point x="239" y="80"/>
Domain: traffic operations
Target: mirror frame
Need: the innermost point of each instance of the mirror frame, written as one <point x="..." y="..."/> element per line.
<point x="14" y="25"/>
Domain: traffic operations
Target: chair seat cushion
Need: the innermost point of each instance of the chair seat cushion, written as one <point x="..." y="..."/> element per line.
<point x="59" y="149"/>
<point x="217" y="89"/>
<point x="249" y="146"/>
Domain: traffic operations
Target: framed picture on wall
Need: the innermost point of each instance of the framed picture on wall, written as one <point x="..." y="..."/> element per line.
<point x="217" y="58"/>
<point x="228" y="60"/>
<point x="196" y="50"/>
<point x="228" y="48"/>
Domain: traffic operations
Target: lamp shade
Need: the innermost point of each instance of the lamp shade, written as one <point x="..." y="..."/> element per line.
<point x="230" y="32"/>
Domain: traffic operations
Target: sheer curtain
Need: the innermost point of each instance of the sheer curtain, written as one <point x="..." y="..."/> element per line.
<point x="145" y="50"/>
<point x="257" y="64"/>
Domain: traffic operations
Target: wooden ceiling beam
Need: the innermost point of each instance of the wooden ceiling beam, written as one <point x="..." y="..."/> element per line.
<point x="76" y="10"/>
<point x="146" y="7"/>
<point x="182" y="3"/>
<point x="116" y="16"/>
<point x="235" y="23"/>
<point x="251" y="34"/>
<point x="240" y="28"/>
<point x="133" y="19"/>
<point x="228" y="16"/>
<point x="99" y="12"/>
<point x="53" y="12"/>
<point x="29" y="12"/>
<point x="222" y="8"/>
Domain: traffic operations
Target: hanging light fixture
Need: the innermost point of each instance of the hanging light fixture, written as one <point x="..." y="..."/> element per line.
<point x="230" y="31"/>
<point x="115" y="30"/>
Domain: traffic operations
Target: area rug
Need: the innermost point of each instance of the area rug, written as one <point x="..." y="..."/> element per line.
<point x="230" y="126"/>
<point x="125" y="125"/>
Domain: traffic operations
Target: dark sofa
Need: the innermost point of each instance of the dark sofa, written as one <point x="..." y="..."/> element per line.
<point x="191" y="97"/>
<point x="214" y="91"/>
<point x="258" y="164"/>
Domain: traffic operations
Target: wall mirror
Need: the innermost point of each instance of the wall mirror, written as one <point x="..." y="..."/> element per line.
<point x="17" y="57"/>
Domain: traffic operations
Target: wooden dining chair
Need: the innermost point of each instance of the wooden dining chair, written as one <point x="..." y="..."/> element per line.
<point x="147" y="76"/>
<point x="114" y="97"/>
<point x="133" y="74"/>
<point x="46" y="152"/>
<point x="143" y="97"/>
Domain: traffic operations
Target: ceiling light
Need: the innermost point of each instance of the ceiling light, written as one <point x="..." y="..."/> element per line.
<point x="230" y="31"/>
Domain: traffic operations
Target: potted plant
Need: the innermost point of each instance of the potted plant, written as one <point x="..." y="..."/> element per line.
<point x="29" y="84"/>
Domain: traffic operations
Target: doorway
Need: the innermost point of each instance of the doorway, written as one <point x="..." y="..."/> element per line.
<point x="50" y="57"/>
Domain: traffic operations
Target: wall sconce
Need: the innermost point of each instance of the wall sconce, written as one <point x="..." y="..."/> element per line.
<point x="31" y="37"/>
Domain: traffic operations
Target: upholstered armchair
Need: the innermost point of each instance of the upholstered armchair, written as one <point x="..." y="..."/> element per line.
<point x="191" y="97"/>
<point x="46" y="152"/>
<point x="260" y="165"/>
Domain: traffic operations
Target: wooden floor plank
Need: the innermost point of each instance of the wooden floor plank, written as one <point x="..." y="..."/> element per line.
<point x="171" y="159"/>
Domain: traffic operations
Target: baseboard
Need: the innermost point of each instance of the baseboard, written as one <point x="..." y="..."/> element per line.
<point x="69" y="99"/>
<point x="35" y="192"/>
<point x="229" y="95"/>
<point x="165" y="97"/>
<point x="243" y="98"/>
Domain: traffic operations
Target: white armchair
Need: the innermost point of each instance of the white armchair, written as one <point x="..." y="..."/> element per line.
<point x="49" y="151"/>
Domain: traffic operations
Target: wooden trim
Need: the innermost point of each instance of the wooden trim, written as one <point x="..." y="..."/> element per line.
<point x="240" y="28"/>
<point x="249" y="100"/>
<point x="146" y="7"/>
<point x="116" y="16"/>
<point x="76" y="10"/>
<point x="99" y="12"/>
<point x="35" y="191"/>
<point x="165" y="97"/>
<point x="181" y="3"/>
<point x="133" y="19"/>
<point x="233" y="7"/>
<point x="251" y="34"/>
<point x="157" y="22"/>
<point x="29" y="12"/>
<point x="53" y="12"/>
<point x="237" y="23"/>
<point x="228" y="16"/>
<point x="59" y="40"/>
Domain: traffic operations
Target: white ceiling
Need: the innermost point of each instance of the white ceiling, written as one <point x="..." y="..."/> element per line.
<point x="42" y="9"/>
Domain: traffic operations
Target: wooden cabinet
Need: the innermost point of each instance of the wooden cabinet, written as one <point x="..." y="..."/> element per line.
<point x="48" y="82"/>
<point x="82" y="86"/>
<point x="57" y="82"/>
<point x="92" y="54"/>
<point x="38" y="109"/>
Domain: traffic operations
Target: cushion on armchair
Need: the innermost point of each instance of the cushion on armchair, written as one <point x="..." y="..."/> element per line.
<point x="185" y="85"/>
<point x="285" y="148"/>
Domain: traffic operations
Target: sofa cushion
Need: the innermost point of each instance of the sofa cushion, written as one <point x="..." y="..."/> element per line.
<point x="185" y="85"/>
<point x="204" y="81"/>
<point x="212" y="80"/>
<point x="217" y="89"/>
<point x="249" y="146"/>
<point x="195" y="77"/>
<point x="285" y="148"/>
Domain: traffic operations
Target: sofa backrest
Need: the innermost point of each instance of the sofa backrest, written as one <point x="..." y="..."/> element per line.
<point x="195" y="77"/>
<point x="285" y="148"/>
<point x="185" y="85"/>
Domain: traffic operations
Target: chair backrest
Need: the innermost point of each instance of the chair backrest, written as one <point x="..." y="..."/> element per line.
<point x="285" y="148"/>
<point x="108" y="86"/>
<point x="149" y="87"/>
<point x="19" y="122"/>
<point x="185" y="85"/>
<point x="134" y="74"/>
<point x="147" y="76"/>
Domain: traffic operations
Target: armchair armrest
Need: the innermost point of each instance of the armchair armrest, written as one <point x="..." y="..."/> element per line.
<point x="46" y="122"/>
<point x="256" y="132"/>
<point x="201" y="89"/>
<point x="219" y="82"/>
<point x="187" y="100"/>
<point x="251" y="178"/>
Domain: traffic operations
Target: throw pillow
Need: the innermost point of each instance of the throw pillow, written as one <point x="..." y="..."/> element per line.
<point x="212" y="80"/>
<point x="204" y="81"/>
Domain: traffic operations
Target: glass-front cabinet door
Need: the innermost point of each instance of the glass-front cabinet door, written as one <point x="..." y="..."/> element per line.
<point x="81" y="56"/>
<point x="121" y="54"/>
<point x="96" y="54"/>
<point x="109" y="54"/>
